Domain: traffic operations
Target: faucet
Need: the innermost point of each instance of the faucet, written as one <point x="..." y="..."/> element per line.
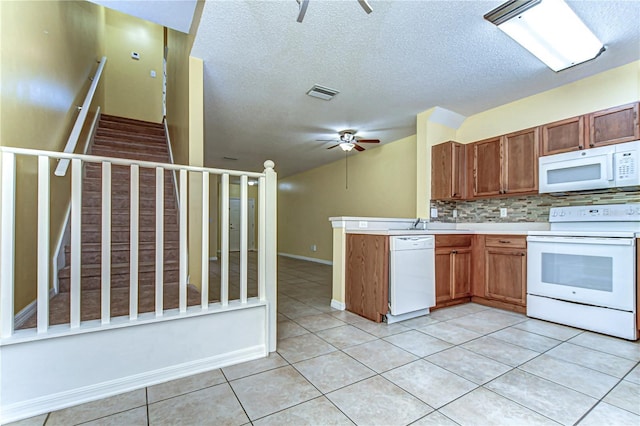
<point x="416" y="223"/>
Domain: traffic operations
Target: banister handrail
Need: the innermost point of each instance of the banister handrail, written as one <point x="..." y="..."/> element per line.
<point x="126" y="162"/>
<point x="70" y="147"/>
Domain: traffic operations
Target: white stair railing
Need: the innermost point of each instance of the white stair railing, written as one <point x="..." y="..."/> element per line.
<point x="266" y="238"/>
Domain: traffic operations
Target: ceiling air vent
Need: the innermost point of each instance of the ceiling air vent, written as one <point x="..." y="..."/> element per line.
<point x="322" y="92"/>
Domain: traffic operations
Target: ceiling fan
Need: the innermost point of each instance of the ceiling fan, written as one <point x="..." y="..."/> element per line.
<point x="303" y="4"/>
<point x="348" y="141"/>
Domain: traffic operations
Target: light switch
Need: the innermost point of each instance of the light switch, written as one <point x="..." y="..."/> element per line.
<point x="503" y="212"/>
<point x="434" y="212"/>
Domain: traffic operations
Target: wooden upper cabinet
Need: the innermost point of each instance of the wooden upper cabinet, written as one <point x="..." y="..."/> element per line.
<point x="505" y="165"/>
<point x="448" y="171"/>
<point x="486" y="160"/>
<point x="520" y="162"/>
<point x="563" y="136"/>
<point x="614" y="125"/>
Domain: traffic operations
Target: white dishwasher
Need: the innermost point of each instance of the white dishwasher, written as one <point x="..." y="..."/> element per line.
<point x="412" y="289"/>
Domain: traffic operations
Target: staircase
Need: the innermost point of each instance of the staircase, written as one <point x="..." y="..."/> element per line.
<point x="138" y="140"/>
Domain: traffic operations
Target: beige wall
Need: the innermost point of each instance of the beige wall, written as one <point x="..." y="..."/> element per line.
<point x="130" y="90"/>
<point x="382" y="183"/>
<point x="49" y="49"/>
<point x="615" y="87"/>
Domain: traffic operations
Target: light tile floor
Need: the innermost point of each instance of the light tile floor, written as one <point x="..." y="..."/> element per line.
<point x="467" y="364"/>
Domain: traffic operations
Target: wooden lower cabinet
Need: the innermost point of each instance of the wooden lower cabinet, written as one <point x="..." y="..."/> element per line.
<point x="367" y="275"/>
<point x="453" y="269"/>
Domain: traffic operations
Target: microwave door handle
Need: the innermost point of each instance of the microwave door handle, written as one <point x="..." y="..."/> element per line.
<point x="610" y="160"/>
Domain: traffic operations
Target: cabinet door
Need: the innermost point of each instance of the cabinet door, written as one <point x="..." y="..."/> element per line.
<point x="487" y="161"/>
<point x="614" y="125"/>
<point x="505" y="275"/>
<point x="447" y="171"/>
<point x="520" y="167"/>
<point x="367" y="275"/>
<point x="443" y="275"/>
<point x="564" y="135"/>
<point x="461" y="272"/>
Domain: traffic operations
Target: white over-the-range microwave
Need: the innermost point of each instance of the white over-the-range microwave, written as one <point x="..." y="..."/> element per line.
<point x="612" y="166"/>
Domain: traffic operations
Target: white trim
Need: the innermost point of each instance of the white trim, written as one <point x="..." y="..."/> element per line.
<point x="341" y="306"/>
<point x="213" y="258"/>
<point x="309" y="259"/>
<point x="29" y="310"/>
<point x="175" y="179"/>
<point x="70" y="146"/>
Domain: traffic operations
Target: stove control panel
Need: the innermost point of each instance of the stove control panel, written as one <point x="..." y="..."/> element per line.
<point x="602" y="213"/>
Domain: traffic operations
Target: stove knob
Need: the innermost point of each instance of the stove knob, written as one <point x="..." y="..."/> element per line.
<point x="562" y="213"/>
<point x="630" y="211"/>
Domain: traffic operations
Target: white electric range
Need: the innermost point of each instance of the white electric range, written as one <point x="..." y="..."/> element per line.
<point x="582" y="272"/>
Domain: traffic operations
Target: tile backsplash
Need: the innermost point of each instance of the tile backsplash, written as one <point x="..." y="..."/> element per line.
<point x="529" y="208"/>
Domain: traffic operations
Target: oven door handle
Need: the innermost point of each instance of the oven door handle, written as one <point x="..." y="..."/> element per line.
<point x="628" y="242"/>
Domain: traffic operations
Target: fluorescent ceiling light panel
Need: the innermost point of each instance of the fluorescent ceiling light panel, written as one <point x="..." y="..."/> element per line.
<point x="549" y="29"/>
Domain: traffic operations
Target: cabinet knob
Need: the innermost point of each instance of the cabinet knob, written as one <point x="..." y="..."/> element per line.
<point x="592" y="145"/>
<point x="580" y="147"/>
<point x="523" y="254"/>
<point x="454" y="251"/>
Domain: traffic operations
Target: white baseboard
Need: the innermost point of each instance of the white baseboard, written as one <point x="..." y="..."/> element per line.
<point x="114" y="387"/>
<point x="309" y="259"/>
<point x="338" y="305"/>
<point x="29" y="310"/>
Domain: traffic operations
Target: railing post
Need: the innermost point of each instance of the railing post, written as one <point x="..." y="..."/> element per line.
<point x="224" y="240"/>
<point x="76" y="242"/>
<point x="134" y="241"/>
<point x="204" y="288"/>
<point x="244" y="235"/>
<point x="159" y="241"/>
<point x="7" y="240"/>
<point x="271" y="249"/>
<point x="184" y="260"/>
<point x="105" y="247"/>
<point x="43" y="244"/>
<point x="262" y="293"/>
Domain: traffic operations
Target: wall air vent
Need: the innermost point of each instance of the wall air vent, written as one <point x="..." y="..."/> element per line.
<point x="322" y="92"/>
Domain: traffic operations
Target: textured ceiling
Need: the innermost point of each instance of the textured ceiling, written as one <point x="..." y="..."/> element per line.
<point x="404" y="58"/>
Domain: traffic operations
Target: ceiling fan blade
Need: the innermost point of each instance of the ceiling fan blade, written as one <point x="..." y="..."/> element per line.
<point x="303" y="9"/>
<point x="333" y="146"/>
<point x="358" y="147"/>
<point x="368" y="140"/>
<point x="365" y="5"/>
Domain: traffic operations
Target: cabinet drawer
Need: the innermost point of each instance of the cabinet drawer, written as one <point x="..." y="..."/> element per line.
<point x="453" y="240"/>
<point x="511" y="241"/>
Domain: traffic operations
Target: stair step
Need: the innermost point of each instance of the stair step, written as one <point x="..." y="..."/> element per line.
<point x="131" y="127"/>
<point x="91" y="275"/>
<point x="123" y="236"/>
<point x="123" y="219"/>
<point x="131" y="155"/>
<point x="129" y="143"/>
<point x="118" y="202"/>
<point x="125" y="120"/>
<point x="94" y="170"/>
<point x="146" y="254"/>
<point x="90" y="303"/>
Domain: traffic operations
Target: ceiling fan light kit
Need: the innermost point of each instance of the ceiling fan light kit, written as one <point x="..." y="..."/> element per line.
<point x="549" y="29"/>
<point x="304" y="4"/>
<point x="348" y="140"/>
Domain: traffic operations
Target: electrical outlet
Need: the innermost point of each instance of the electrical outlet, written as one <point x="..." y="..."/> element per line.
<point x="503" y="212"/>
<point x="455" y="213"/>
<point x="314" y="247"/>
<point x="434" y="212"/>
